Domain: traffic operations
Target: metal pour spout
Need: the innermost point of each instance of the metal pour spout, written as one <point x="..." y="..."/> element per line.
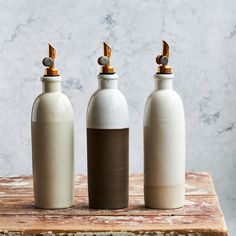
<point x="163" y="60"/>
<point x="49" y="62"/>
<point x="104" y="61"/>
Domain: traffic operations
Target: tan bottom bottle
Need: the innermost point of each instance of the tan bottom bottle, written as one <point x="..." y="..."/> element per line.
<point x="52" y="131"/>
<point x="169" y="197"/>
<point x="164" y="147"/>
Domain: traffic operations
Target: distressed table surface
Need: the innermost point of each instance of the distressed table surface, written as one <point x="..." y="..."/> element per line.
<point x="201" y="214"/>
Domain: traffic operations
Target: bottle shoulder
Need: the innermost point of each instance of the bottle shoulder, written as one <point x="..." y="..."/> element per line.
<point x="107" y="109"/>
<point x="107" y="93"/>
<point x="164" y="105"/>
<point x="52" y="95"/>
<point x="164" y="97"/>
<point x="105" y="98"/>
<point x="52" y="107"/>
<point x="164" y="93"/>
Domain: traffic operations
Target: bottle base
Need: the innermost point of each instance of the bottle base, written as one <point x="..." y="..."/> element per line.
<point x="52" y="207"/>
<point x="111" y="207"/>
<point x="164" y="197"/>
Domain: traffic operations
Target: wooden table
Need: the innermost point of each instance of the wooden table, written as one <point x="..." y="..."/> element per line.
<point x="200" y="216"/>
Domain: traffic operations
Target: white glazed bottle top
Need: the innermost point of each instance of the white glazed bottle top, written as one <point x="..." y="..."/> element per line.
<point x="51" y="78"/>
<point x="107" y="108"/>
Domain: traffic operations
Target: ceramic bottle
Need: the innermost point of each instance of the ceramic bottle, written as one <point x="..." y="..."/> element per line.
<point x="107" y="141"/>
<point x="52" y="126"/>
<point x="164" y="141"/>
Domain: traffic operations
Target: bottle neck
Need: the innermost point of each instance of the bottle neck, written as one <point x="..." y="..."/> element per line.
<point x="163" y="81"/>
<point x="51" y="87"/>
<point x="51" y="84"/>
<point x="163" y="84"/>
<point x="107" y="84"/>
<point x="108" y="81"/>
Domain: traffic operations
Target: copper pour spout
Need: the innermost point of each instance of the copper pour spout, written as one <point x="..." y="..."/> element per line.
<point x="104" y="61"/>
<point x="163" y="60"/>
<point x="49" y="62"/>
<point x="107" y="50"/>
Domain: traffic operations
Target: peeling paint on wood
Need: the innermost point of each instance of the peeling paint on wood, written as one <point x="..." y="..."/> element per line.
<point x="207" y="205"/>
<point x="201" y="214"/>
<point x="22" y="185"/>
<point x="109" y="234"/>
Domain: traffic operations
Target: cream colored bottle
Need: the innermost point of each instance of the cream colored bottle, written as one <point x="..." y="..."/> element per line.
<point x="164" y="142"/>
<point x="52" y="126"/>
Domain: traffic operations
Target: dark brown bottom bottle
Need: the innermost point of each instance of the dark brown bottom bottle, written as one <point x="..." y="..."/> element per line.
<point x="108" y="168"/>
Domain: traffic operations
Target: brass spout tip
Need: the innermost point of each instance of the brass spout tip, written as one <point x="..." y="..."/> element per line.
<point x="107" y="50"/>
<point x="51" y="51"/>
<point x="49" y="62"/>
<point x="162" y="60"/>
<point x="104" y="61"/>
<point x="165" y="49"/>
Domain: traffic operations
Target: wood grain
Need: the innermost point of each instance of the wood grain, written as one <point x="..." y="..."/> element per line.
<point x="207" y="205"/>
<point x="201" y="214"/>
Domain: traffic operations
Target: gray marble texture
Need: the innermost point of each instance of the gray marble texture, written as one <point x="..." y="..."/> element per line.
<point x="202" y="38"/>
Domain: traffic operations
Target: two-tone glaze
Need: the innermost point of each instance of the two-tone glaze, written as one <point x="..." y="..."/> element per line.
<point x="108" y="143"/>
<point x="52" y="126"/>
<point x="164" y="145"/>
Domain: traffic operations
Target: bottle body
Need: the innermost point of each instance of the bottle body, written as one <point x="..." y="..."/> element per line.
<point x="164" y="147"/>
<point x="108" y="146"/>
<point x="52" y="127"/>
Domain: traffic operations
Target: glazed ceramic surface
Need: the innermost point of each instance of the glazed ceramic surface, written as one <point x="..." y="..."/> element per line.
<point x="53" y="147"/>
<point x="108" y="146"/>
<point x="164" y="146"/>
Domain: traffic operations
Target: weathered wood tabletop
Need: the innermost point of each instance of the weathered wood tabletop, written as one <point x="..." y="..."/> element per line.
<point x="201" y="214"/>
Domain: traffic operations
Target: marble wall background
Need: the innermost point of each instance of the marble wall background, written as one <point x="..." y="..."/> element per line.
<point x="202" y="38"/>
